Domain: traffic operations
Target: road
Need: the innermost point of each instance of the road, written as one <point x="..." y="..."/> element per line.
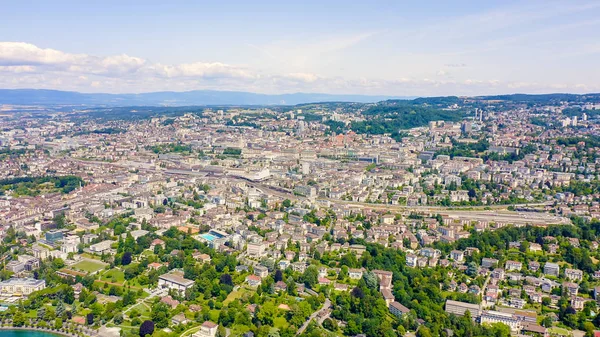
<point x="484" y="303"/>
<point x="325" y="306"/>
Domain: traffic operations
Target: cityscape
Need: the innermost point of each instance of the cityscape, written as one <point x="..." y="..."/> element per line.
<point x="313" y="169"/>
<point x="241" y="221"/>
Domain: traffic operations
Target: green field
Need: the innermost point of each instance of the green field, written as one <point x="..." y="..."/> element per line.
<point x="114" y="276"/>
<point x="234" y="294"/>
<point x="88" y="266"/>
<point x="147" y="253"/>
<point x="191" y="331"/>
<point x="214" y="315"/>
<point x="141" y="309"/>
<point x="559" y="331"/>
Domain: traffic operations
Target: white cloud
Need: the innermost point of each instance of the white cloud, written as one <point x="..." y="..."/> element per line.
<point x="304" y="77"/>
<point x="122" y="63"/>
<point x="17" y="69"/>
<point x="201" y="69"/>
<point x="16" y="56"/>
<point x="21" y="53"/>
<point x="23" y="65"/>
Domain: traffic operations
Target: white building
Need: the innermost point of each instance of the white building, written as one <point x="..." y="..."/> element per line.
<point x="101" y="247"/>
<point x="574" y="274"/>
<point x="21" y="286"/>
<point x="551" y="269"/>
<point x="208" y="329"/>
<point x="411" y="260"/>
<point x="40" y="252"/>
<point x="492" y="317"/>
<point x="457" y="255"/>
<point x="68" y="248"/>
<point x="256" y="249"/>
<point x="173" y="281"/>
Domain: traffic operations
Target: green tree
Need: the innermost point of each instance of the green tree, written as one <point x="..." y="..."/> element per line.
<point x="472" y="269"/>
<point x="19" y="319"/>
<point x="330" y="324"/>
<point x="310" y="277"/>
<point x="60" y="309"/>
<point x="424" y="332"/>
<point x="371" y="280"/>
<point x="500" y="330"/>
<point x="41" y="313"/>
<point x="266" y="313"/>
<point x="58" y="263"/>
<point x="160" y="315"/>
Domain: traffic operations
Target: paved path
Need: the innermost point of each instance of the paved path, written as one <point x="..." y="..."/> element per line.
<point x="484" y="303"/>
<point x="325" y="306"/>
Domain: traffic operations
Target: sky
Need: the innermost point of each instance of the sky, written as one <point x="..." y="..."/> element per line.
<point x="397" y="48"/>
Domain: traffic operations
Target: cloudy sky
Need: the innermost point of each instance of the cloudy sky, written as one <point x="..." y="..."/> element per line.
<point x="355" y="47"/>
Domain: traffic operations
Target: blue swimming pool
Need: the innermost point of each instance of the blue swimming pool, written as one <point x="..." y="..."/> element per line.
<point x="208" y="237"/>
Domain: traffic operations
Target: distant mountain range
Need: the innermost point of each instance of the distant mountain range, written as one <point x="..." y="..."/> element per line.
<point x="171" y="98"/>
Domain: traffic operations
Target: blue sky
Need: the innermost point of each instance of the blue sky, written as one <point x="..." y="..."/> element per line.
<point x="376" y="47"/>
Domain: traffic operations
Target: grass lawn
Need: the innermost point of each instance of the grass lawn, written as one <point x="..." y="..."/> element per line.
<point x="141" y="309"/>
<point x="113" y="275"/>
<point x="127" y="327"/>
<point x="191" y="331"/>
<point x="238" y="330"/>
<point x="559" y="331"/>
<point x="83" y="311"/>
<point x="147" y="253"/>
<point x="214" y="315"/>
<point x="234" y="294"/>
<point x="135" y="283"/>
<point x="88" y="256"/>
<point x="89" y="266"/>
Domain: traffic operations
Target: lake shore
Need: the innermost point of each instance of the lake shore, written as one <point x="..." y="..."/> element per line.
<point x="47" y="331"/>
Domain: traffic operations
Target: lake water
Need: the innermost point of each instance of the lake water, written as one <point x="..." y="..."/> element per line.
<point x="24" y="333"/>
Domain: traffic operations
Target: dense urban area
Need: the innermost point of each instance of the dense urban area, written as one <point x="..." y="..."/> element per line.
<point x="449" y="216"/>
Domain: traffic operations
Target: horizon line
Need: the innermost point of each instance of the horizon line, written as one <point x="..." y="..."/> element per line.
<point x="301" y="93"/>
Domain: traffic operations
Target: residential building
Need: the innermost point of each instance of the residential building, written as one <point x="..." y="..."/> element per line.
<point x="574" y="274"/>
<point x="552" y="269"/>
<point x="207" y="329"/>
<point x="256" y="249"/>
<point x="492" y="317"/>
<point x="513" y="265"/>
<point x="457" y="255"/>
<point x="355" y="274"/>
<point x="489" y="262"/>
<point x="398" y="309"/>
<point x="261" y="271"/>
<point x="459" y="308"/>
